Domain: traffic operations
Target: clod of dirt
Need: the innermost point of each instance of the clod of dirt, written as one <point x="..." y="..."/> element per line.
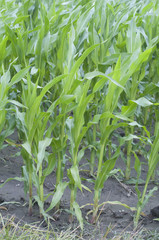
<point x="119" y="214"/>
<point x="155" y="211"/>
<point x="1" y="200"/>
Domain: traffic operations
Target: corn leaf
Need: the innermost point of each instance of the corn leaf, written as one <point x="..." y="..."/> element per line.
<point x="78" y="214"/>
<point x="41" y="151"/>
<point x="58" y="195"/>
<point x="76" y="177"/>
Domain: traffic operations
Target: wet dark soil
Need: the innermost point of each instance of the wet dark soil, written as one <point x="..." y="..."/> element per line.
<point x="115" y="217"/>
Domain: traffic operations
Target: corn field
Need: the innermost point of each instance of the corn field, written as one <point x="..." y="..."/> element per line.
<point x="73" y="75"/>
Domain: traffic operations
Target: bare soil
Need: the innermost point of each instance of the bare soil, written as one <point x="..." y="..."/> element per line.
<point x="115" y="217"/>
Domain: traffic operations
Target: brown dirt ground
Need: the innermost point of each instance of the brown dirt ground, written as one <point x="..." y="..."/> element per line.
<point x="119" y="218"/>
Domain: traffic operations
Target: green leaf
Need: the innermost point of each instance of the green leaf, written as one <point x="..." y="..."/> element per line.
<point x="109" y="129"/>
<point x="104" y="174"/>
<point x="78" y="214"/>
<point x="131" y="37"/>
<point x="151" y="89"/>
<point x="148" y="195"/>
<point x="41" y="206"/>
<point x="18" y="76"/>
<point x="101" y="82"/>
<point x="76" y="177"/>
<point x="69" y="81"/>
<point x="20" y="19"/>
<point x="20" y="179"/>
<point x="94" y="74"/>
<point x="41" y="151"/>
<point x="27" y="147"/>
<point x="18" y="104"/>
<point x="118" y="203"/>
<point x="147" y="8"/>
<point x="99" y="85"/>
<point x="36" y="104"/>
<point x="137" y="165"/>
<point x="63" y="99"/>
<point x="83" y="20"/>
<point x="51" y="164"/>
<point x="86" y="188"/>
<point x="129" y="110"/>
<point x="137" y="59"/>
<point x="3" y="48"/>
<point x="143" y="102"/>
<point x="129" y="137"/>
<point x="58" y="195"/>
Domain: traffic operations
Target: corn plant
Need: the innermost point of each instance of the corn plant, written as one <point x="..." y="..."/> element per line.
<point x="152" y="163"/>
<point x="76" y="132"/>
<point x="34" y="123"/>
<point x="6" y="82"/>
<point x="67" y="97"/>
<point x="117" y="81"/>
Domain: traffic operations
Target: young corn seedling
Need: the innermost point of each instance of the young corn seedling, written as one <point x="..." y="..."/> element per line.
<point x="152" y="163"/>
<point x="76" y="132"/>
<point x="103" y="170"/>
<point x="34" y="123"/>
<point x="59" y="143"/>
